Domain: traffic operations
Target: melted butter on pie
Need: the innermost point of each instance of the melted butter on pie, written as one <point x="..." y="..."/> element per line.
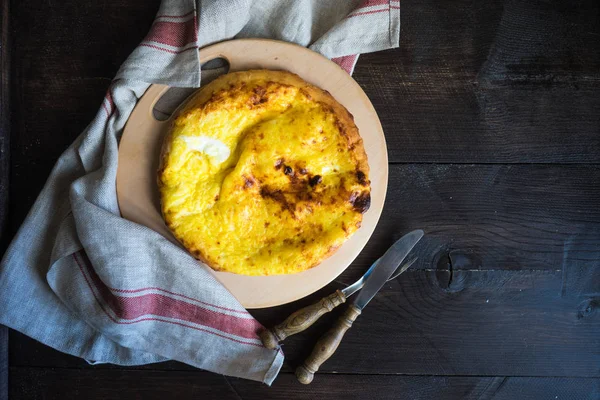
<point x="263" y="174"/>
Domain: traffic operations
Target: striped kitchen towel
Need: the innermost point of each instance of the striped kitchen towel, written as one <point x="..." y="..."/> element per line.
<point x="87" y="282"/>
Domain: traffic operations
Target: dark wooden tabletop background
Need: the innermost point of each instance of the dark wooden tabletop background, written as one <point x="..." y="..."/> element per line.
<point x="491" y="111"/>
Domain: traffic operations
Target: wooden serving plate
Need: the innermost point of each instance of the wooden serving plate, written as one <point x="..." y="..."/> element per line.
<point x="139" y="149"/>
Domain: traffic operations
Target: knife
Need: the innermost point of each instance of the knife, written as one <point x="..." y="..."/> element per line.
<point x="305" y="317"/>
<point x="329" y="342"/>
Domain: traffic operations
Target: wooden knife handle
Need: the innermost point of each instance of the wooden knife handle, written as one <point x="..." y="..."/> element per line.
<point x="301" y="320"/>
<point x="326" y="345"/>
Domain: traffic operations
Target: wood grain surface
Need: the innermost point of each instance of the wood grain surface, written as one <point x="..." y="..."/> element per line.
<point x="492" y="118"/>
<point x="5" y="121"/>
<point x="4" y="166"/>
<point x="3" y="362"/>
<point x="29" y="383"/>
<point x="490" y="82"/>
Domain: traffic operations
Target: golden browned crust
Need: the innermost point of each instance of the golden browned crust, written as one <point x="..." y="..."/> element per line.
<point x="345" y="124"/>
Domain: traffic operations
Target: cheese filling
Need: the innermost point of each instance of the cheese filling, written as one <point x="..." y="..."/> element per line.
<point x="217" y="151"/>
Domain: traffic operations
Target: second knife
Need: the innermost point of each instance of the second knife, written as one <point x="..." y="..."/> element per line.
<point x="305" y="317"/>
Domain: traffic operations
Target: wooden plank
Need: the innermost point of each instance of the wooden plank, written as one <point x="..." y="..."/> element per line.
<point x="540" y="217"/>
<point x="483" y="323"/>
<point x="67" y="53"/>
<point x="3" y="362"/>
<point x="490" y="82"/>
<point x="543" y="388"/>
<point x="5" y="118"/>
<point x="61" y="384"/>
<point x="5" y="48"/>
<point x="50" y="384"/>
<point x="422" y="387"/>
<point x="514" y="323"/>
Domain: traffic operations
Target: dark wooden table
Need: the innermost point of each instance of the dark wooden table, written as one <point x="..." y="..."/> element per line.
<point x="492" y="116"/>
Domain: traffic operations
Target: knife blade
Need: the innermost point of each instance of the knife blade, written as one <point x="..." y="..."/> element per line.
<point x="356" y="286"/>
<point x="303" y="318"/>
<point x="328" y="343"/>
<point x="387" y="265"/>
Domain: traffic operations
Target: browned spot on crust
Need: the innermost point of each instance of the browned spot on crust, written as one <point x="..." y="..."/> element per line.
<point x="296" y="183"/>
<point x="362" y="178"/>
<point x="278" y="163"/>
<point x="341" y="127"/>
<point x="258" y="96"/>
<point x="267" y="224"/>
<point x="308" y="197"/>
<point x="315" y="180"/>
<point x="217" y="198"/>
<point x="279" y="197"/>
<point x="328" y="108"/>
<point x="331" y="249"/>
<point x="344" y="227"/>
<point x="259" y="90"/>
<point x="361" y="202"/>
<point x="248" y="181"/>
<point x="306" y="94"/>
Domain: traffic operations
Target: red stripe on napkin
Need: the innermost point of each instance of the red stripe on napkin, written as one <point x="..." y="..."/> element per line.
<point x="371" y="3"/>
<point x="109" y="100"/>
<point x="346" y="62"/>
<point x="368" y="12"/>
<point x="159" y="305"/>
<point x="175" y="34"/>
<point x="177" y="294"/>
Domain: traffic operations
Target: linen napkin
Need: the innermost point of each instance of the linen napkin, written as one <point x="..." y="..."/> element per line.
<point x="87" y="282"/>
